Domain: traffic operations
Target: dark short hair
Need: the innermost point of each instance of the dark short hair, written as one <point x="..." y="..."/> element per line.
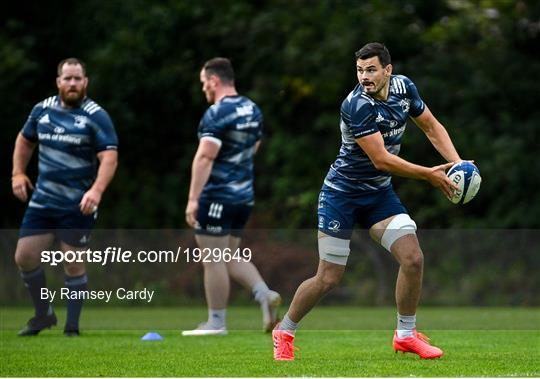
<point x="374" y="49"/>
<point x="222" y="68"/>
<point x="70" y="61"/>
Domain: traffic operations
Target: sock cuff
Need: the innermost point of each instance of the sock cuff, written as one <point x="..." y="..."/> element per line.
<point x="76" y="280"/>
<point x="259" y="286"/>
<point x="217" y="317"/>
<point x="288" y="324"/>
<point x="406" y="318"/>
<point x="32" y="273"/>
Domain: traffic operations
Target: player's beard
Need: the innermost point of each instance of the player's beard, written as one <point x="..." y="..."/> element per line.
<point x="376" y="88"/>
<point x="72" y="98"/>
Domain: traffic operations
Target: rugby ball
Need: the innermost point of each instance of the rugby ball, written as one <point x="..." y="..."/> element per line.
<point x="466" y="176"/>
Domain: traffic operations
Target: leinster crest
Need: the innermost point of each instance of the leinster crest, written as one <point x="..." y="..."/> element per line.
<point x="405" y="105"/>
<point x="80" y="121"/>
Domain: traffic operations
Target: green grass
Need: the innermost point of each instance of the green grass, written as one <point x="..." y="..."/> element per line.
<point x="477" y="342"/>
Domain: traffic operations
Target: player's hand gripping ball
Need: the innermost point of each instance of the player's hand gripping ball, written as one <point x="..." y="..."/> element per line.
<point x="466" y="176"/>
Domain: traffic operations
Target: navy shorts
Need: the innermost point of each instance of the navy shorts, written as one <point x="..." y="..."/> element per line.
<point x="221" y="219"/>
<point x="338" y="211"/>
<point x="69" y="226"/>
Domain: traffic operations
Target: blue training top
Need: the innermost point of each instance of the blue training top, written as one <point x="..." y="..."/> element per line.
<point x="69" y="139"/>
<point x="237" y="122"/>
<point x="362" y="115"/>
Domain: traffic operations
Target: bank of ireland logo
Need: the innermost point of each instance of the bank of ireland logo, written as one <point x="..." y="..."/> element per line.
<point x="333" y="226"/>
<point x="405" y="105"/>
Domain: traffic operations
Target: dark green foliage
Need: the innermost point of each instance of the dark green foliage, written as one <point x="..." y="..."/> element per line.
<point x="474" y="65"/>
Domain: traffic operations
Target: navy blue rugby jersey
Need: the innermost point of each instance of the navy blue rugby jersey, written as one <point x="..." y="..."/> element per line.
<point x="362" y="115"/>
<point x="69" y="139"/>
<point x="237" y="122"/>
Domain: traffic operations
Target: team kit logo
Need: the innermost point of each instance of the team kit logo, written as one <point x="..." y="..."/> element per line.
<point x="322" y="199"/>
<point x="405" y="105"/>
<point x="45" y="119"/>
<point x="333" y="226"/>
<point x="215" y="211"/>
<point x="80" y="122"/>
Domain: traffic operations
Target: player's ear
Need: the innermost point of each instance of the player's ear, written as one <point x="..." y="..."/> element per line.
<point x="388" y="70"/>
<point x="214" y="79"/>
<point x="58" y="81"/>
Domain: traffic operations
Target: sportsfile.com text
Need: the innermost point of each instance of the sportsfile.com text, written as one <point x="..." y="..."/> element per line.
<point x="119" y="255"/>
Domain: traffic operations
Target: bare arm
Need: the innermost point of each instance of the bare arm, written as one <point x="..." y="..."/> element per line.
<point x="373" y="146"/>
<point x="437" y="135"/>
<point x="108" y="161"/>
<point x="200" y="172"/>
<point x="20" y="183"/>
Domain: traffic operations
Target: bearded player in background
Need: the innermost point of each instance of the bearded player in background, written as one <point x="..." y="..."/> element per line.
<point x="73" y="133"/>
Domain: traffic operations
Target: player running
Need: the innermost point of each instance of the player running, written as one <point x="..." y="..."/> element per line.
<point x="221" y="194"/>
<point x="72" y="131"/>
<point x="358" y="189"/>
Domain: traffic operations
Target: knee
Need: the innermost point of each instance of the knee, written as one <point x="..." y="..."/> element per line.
<point x="25" y="260"/>
<point x="413" y="262"/>
<point x="327" y="280"/>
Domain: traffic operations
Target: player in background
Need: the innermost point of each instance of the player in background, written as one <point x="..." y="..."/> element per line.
<point x="358" y="189"/>
<point x="73" y="133"/>
<point x="221" y="194"/>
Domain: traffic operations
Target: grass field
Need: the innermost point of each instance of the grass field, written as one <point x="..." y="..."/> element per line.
<point x="334" y="341"/>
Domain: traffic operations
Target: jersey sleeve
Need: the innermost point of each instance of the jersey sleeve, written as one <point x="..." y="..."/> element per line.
<point x="360" y="118"/>
<point x="29" y="130"/>
<point x="417" y="105"/>
<point x="105" y="134"/>
<point x="210" y="126"/>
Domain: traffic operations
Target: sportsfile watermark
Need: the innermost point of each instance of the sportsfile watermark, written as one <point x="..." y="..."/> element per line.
<point x="120" y="255"/>
<point x="163" y="268"/>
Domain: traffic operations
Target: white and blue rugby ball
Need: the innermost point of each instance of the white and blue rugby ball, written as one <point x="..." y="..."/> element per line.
<point x="466" y="176"/>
